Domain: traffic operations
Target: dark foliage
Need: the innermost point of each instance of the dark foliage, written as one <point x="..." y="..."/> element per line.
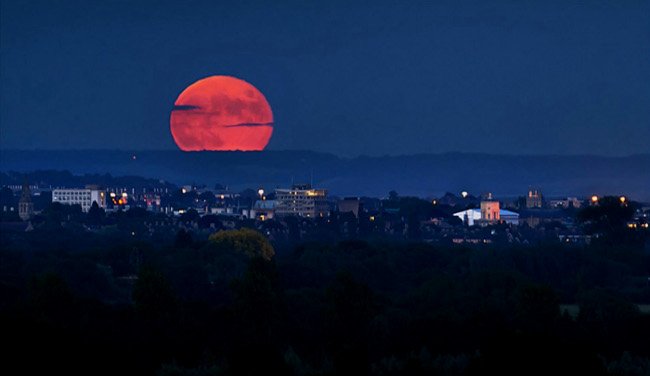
<point x="109" y="301"/>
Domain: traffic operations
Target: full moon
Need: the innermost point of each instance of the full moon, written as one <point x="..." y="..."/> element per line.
<point x="221" y="113"/>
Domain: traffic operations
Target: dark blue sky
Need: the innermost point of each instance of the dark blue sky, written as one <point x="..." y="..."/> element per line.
<point x="508" y="77"/>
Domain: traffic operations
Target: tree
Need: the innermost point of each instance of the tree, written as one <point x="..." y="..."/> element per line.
<point x="608" y="215"/>
<point x="350" y="308"/>
<point x="95" y="215"/>
<point x="183" y="239"/>
<point x="259" y="313"/>
<point x="245" y="240"/>
<point x="153" y="296"/>
<point x="51" y="299"/>
<point x="538" y="308"/>
<point x="190" y="216"/>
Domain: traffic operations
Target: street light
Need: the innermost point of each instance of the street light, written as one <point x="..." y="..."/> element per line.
<point x="622" y="199"/>
<point x="594" y="199"/>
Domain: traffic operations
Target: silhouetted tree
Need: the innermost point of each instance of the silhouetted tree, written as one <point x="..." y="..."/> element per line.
<point x="537" y="309"/>
<point x="246" y="241"/>
<point x="183" y="239"/>
<point x="153" y="296"/>
<point x="95" y="215"/>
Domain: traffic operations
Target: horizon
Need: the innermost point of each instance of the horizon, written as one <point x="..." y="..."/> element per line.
<point x="417" y="175"/>
<point x="642" y="154"/>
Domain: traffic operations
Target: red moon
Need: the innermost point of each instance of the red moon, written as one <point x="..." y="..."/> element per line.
<point x="221" y="113"/>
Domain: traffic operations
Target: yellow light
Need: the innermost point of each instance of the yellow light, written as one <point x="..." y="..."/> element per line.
<point x="631" y="225"/>
<point x="112" y="194"/>
<point x="645" y="225"/>
<point x="622" y="198"/>
<point x="125" y="194"/>
<point x="372" y="218"/>
<point x="262" y="217"/>
<point x="594" y="199"/>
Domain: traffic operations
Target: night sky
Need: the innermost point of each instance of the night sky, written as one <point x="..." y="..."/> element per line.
<point x="502" y="77"/>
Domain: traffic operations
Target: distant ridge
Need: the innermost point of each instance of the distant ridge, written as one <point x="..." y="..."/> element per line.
<point x="422" y="174"/>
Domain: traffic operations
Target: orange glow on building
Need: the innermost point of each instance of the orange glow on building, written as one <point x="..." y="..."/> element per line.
<point x="490" y="211"/>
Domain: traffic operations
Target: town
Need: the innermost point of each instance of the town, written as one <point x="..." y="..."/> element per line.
<point x="303" y="212"/>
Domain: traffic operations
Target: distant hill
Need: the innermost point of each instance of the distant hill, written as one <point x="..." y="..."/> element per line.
<point x="422" y="175"/>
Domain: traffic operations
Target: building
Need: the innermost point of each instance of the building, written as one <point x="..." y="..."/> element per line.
<point x="301" y="200"/>
<point x="84" y="197"/>
<point x="263" y="210"/>
<point x="25" y="205"/>
<point x="509" y="217"/>
<point x="490" y="210"/>
<point x="534" y="199"/>
<point x="469" y="216"/>
<point x="569" y="202"/>
<point x="535" y="217"/>
<point x="350" y="204"/>
<point x="474" y="217"/>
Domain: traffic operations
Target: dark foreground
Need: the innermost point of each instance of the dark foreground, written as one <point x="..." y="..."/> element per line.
<point x="178" y="303"/>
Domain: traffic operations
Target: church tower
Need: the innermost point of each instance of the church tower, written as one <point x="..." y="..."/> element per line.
<point x="25" y="205"/>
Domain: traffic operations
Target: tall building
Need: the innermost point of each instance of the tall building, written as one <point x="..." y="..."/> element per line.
<point x="534" y="199"/>
<point x="25" y="205"/>
<point x="301" y="200"/>
<point x="84" y="197"/>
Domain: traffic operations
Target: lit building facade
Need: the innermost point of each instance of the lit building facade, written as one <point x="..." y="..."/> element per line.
<point x="302" y="201"/>
<point x="473" y="217"/>
<point x="83" y="197"/>
<point x="490" y="211"/>
<point x="263" y="210"/>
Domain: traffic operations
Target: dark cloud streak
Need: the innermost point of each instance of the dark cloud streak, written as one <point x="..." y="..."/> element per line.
<point x="249" y="125"/>
<point x="185" y="107"/>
